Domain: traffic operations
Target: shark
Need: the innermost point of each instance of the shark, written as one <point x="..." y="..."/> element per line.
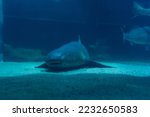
<point x="68" y="57"/>
<point x="139" y="10"/>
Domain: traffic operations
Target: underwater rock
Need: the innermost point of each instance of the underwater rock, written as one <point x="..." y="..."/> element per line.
<point x="22" y="54"/>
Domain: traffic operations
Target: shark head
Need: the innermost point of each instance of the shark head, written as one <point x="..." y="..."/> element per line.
<point x="69" y="55"/>
<point x="54" y="58"/>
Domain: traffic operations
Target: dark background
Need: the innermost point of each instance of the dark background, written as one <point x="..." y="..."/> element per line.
<point x="48" y="24"/>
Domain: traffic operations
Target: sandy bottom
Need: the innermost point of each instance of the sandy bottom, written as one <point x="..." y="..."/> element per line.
<point x="126" y="80"/>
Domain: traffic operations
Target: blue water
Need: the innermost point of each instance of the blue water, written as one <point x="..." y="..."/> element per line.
<point x="48" y="24"/>
<point x="52" y="23"/>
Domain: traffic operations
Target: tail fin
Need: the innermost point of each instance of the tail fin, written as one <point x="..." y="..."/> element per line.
<point x="137" y="8"/>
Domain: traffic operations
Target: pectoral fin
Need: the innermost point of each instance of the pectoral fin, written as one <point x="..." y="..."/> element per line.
<point x="94" y="64"/>
<point x="44" y="65"/>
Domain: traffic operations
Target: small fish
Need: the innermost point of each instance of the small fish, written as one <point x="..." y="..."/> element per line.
<point x="138" y="35"/>
<point x="140" y="10"/>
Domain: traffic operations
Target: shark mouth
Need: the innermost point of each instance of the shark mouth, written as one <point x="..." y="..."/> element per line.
<point x="54" y="62"/>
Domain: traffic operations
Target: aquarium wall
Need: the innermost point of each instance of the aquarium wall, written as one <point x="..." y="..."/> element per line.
<point x="1" y="25"/>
